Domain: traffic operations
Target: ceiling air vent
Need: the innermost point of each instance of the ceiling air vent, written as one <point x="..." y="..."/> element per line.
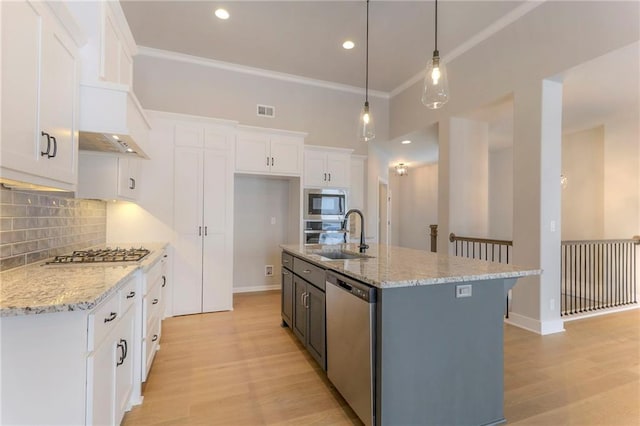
<point x="266" y="111"/>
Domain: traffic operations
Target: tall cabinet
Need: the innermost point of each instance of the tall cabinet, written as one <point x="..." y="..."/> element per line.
<point x="203" y="216"/>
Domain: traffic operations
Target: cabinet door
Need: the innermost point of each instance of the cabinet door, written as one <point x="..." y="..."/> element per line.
<point x="286" y="154"/>
<point x="316" y="337"/>
<point x="128" y="181"/>
<point x="101" y="383"/>
<point x="287" y="296"/>
<point x="187" y="260"/>
<point x="21" y="140"/>
<point x="253" y="153"/>
<point x="315" y="173"/>
<point x="124" y="365"/>
<point x="299" y="309"/>
<point x="338" y="170"/>
<point x="58" y="101"/>
<point x="217" y="285"/>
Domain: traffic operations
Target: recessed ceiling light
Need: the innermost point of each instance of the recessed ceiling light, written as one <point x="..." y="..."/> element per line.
<point x="222" y="13"/>
<point x="405" y="142"/>
<point x="348" y="44"/>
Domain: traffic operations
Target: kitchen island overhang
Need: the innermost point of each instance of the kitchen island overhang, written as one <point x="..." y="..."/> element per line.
<point x="438" y="357"/>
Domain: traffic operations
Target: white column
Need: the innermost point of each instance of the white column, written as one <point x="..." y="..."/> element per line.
<point x="537" y="205"/>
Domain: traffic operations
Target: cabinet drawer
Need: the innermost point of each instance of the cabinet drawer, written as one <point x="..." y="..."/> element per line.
<point x="310" y="272"/>
<point x="128" y="295"/>
<point x="102" y="320"/>
<point x="152" y="307"/>
<point x="150" y="346"/>
<point x="287" y="261"/>
<point x="153" y="276"/>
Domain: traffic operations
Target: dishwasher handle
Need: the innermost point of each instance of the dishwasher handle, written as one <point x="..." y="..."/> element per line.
<point x="345" y="285"/>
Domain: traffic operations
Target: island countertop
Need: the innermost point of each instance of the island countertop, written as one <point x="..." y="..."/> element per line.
<point x="38" y="288"/>
<point x="391" y="266"/>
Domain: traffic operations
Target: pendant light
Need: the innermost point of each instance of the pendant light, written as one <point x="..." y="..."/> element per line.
<point x="366" y="130"/>
<point x="436" y="88"/>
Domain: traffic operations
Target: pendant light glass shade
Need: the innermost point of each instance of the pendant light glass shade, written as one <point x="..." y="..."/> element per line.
<point x="366" y="128"/>
<point x="435" y="92"/>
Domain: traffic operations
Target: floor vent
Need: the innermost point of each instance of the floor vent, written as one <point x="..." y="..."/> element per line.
<point x="266" y="111"/>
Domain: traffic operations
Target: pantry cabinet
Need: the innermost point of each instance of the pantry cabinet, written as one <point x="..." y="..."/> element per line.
<point x="108" y="176"/>
<point x="326" y="167"/>
<point x="203" y="217"/>
<point x="40" y="77"/>
<point x="269" y="152"/>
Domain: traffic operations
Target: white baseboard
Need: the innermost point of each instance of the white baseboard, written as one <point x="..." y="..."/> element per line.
<point x="601" y="312"/>
<point x="251" y="289"/>
<point x="536" y="326"/>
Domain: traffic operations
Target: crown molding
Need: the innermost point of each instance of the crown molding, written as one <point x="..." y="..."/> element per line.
<point x="228" y="66"/>
<point x="483" y="35"/>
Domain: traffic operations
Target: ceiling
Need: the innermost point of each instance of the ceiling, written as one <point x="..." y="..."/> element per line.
<point x="304" y="38"/>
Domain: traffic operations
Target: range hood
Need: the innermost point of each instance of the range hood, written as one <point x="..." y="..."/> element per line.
<point x="112" y="120"/>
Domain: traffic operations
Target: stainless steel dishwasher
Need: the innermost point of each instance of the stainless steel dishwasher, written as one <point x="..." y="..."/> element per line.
<point x="351" y="337"/>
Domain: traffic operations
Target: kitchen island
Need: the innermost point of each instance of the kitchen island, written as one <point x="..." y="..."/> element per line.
<point x="438" y="327"/>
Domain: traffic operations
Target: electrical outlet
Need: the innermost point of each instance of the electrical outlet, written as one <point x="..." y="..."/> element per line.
<point x="268" y="270"/>
<point x="463" y="291"/>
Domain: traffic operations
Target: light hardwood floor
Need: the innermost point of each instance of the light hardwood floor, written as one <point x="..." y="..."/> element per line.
<point x="242" y="368"/>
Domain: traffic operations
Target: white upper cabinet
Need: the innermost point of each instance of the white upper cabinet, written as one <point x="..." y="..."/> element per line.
<point x="40" y="69"/>
<point x="107" y="56"/>
<point x="108" y="177"/>
<point x="269" y="152"/>
<point x="327" y="167"/>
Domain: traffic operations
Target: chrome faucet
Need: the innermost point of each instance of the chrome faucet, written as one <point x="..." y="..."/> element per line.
<point x="363" y="247"/>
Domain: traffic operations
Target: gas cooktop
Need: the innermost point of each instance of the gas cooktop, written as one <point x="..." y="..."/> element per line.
<point x="101" y="255"/>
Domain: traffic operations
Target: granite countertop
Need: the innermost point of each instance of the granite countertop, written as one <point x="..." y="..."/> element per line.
<point x="391" y="266"/>
<point x="38" y="288"/>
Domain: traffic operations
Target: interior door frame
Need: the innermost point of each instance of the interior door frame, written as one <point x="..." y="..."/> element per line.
<point x="387" y="226"/>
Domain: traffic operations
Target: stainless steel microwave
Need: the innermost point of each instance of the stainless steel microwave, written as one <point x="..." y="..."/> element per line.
<point x="322" y="204"/>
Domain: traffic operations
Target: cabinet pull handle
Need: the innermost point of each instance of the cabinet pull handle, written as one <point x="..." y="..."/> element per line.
<point x="55" y="148"/>
<point x="267" y="161"/>
<point x="43" y="153"/>
<point x="164" y="281"/>
<point x="121" y="360"/>
<point x="206" y="230"/>
<point x="131" y="295"/>
<point x="154" y="338"/>
<point x="272" y="161"/>
<point x="285" y="261"/>
<point x="306" y="271"/>
<point x="325" y="177"/>
<point x="111" y="317"/>
<point x="155" y="302"/>
<point x="302" y="299"/>
<point x="329" y="177"/>
<point x="199" y="231"/>
<point x="132" y="183"/>
<point x="306" y="300"/>
<point x="126" y="349"/>
<point x="285" y="273"/>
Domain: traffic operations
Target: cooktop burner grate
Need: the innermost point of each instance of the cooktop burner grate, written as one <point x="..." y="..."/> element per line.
<point x="102" y="255"/>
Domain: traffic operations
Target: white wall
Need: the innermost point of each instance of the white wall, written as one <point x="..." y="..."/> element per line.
<point x="469" y="177"/>
<point x="415" y="206"/>
<point x="622" y="177"/>
<point x="256" y="239"/>
<point x="583" y="197"/>
<point x="329" y="116"/>
<point x="501" y="194"/>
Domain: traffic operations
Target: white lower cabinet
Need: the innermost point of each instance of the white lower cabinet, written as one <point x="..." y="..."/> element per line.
<point x="152" y="313"/>
<point x="75" y="367"/>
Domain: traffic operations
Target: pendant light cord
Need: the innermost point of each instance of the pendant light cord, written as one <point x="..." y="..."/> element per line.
<point x="366" y="80"/>
<point x="436" y="19"/>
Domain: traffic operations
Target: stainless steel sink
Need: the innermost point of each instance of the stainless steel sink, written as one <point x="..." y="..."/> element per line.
<point x="342" y="255"/>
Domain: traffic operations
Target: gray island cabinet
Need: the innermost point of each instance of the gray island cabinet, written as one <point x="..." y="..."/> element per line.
<point x="438" y="326"/>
